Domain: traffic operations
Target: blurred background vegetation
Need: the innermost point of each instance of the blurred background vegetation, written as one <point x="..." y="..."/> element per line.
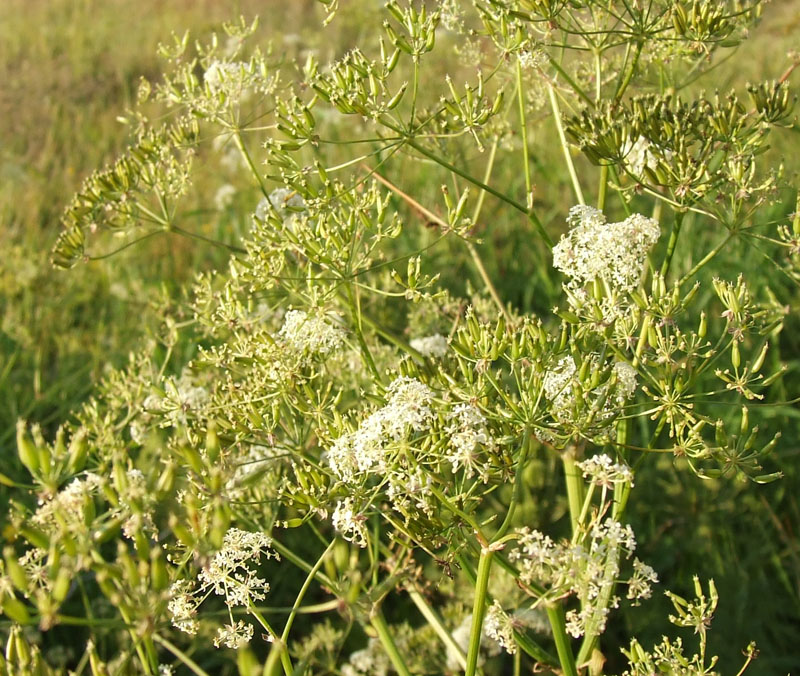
<point x="69" y="68"/>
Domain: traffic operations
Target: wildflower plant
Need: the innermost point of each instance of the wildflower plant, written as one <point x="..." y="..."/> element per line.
<point x="356" y="432"/>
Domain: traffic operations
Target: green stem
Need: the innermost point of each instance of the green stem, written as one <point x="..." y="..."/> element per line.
<point x="302" y="564"/>
<point x="270" y="668"/>
<point x="575" y="86"/>
<point x="362" y="343"/>
<point x="182" y="656"/>
<point x="524" y="136"/>
<point x="435" y="621"/>
<point x="378" y="622"/>
<point x="515" y="496"/>
<point x="673" y="241"/>
<point x="574" y="480"/>
<point x="705" y="259"/>
<point x="602" y="187"/>
<point x="473" y="251"/>
<point x="479" y="610"/>
<point x="623" y="85"/>
<point x="621" y="490"/>
<point x="555" y="613"/>
<point x="576" y="186"/>
<point x="237" y="137"/>
<point x="286" y="661"/>
<point x="480" y="184"/>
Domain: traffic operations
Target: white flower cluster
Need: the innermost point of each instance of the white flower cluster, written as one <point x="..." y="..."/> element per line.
<point x="286" y="203"/>
<point x="234" y="635"/>
<point x="489" y="646"/>
<point x="223" y="198"/>
<point x="559" y="383"/>
<point x="136" y="504"/>
<point x="236" y="80"/>
<point x="409" y="490"/>
<point x="499" y="626"/>
<point x="640" y="154"/>
<point x="562" y="388"/>
<point x="603" y="471"/>
<point x="408" y="409"/>
<point x="229" y="574"/>
<point x="431" y="346"/>
<point x="66" y="508"/>
<point x="595" y="248"/>
<point x="303" y="333"/>
<point x="639" y="585"/>
<point x="626" y="381"/>
<point x="588" y="569"/>
<point x="369" y="661"/>
<point x="182" y="397"/>
<point x="467" y="435"/>
<point x="349" y="522"/>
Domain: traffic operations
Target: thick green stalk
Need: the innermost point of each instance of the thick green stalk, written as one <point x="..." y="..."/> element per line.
<point x="378" y="622"/>
<point x="621" y="490"/>
<point x="602" y="187"/>
<point x="574" y="480"/>
<point x="555" y="613"/>
<point x="673" y="241"/>
<point x="479" y="610"/>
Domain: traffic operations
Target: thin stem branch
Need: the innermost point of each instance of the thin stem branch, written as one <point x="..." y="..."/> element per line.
<point x="182" y="656"/>
<point x="270" y="668"/>
<point x="435" y="621"/>
<point x="673" y="241"/>
<point x="378" y="622"/>
<point x="524" y="137"/>
<point x="576" y="186"/>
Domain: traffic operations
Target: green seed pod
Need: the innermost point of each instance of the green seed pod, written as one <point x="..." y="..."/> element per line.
<point x="395" y="100"/>
<point x="108" y="531"/>
<point x="159" y="577"/>
<point x="77" y="452"/>
<point x="15" y="610"/>
<point x="15" y="571"/>
<point x="36" y="537"/>
<point x="736" y="358"/>
<point x="212" y="443"/>
<point x="25" y="448"/>
<point x="759" y="361"/>
<point x="62" y="584"/>
<point x="181" y="532"/>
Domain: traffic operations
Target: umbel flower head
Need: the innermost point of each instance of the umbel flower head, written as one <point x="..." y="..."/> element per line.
<point x="615" y="252"/>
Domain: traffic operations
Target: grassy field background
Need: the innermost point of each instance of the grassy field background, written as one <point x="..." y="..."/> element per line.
<point x="69" y="68"/>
